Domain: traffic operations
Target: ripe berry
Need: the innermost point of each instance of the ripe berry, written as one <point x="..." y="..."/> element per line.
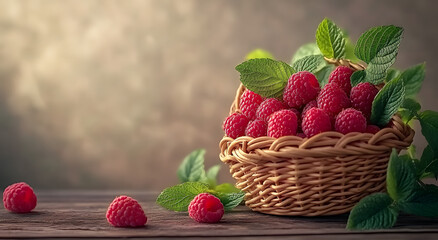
<point x="206" y="208"/>
<point x="125" y="211"/>
<point x="332" y="99"/>
<point x="350" y="120"/>
<point x="282" y="123"/>
<point x="268" y="107"/>
<point x="372" y="129"/>
<point x="249" y="102"/>
<point x="235" y="125"/>
<point x="256" y="128"/>
<point x="316" y="121"/>
<point x="308" y="106"/>
<point x="19" y="198"/>
<point x="301" y="88"/>
<point x="362" y="97"/>
<point x="341" y="76"/>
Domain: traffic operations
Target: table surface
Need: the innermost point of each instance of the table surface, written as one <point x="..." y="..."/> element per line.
<point x="81" y="214"/>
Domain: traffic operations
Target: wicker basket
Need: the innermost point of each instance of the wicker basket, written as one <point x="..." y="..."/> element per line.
<point x="326" y="174"/>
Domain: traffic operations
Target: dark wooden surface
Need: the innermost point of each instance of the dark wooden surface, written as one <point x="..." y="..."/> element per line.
<point x="76" y="214"/>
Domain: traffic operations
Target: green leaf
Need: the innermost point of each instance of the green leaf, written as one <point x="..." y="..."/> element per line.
<point x="349" y="49"/>
<point x="178" y="197"/>
<point x="192" y="167"/>
<point x="391" y="74"/>
<point x="424" y="202"/>
<point x="357" y="77"/>
<point x="378" y="47"/>
<point x="226" y="188"/>
<point x="330" y="39"/>
<point x="409" y="109"/>
<point x="387" y="102"/>
<point x="259" y="53"/>
<point x="412" y="151"/>
<point x="413" y="79"/>
<point x="265" y="76"/>
<point x="323" y="74"/>
<point x="212" y="175"/>
<point x="400" y="177"/>
<point x="429" y="128"/>
<point x="230" y="200"/>
<point x="312" y="63"/>
<point x="373" y="212"/>
<point x="428" y="164"/>
<point x="305" y="50"/>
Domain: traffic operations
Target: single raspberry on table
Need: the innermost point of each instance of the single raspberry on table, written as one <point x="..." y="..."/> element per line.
<point x="372" y="129"/>
<point x="302" y="87"/>
<point x="249" y="102"/>
<point x="316" y="121"/>
<point x="206" y="208"/>
<point x="308" y="106"/>
<point x="332" y="99"/>
<point x="268" y="107"/>
<point x="362" y="96"/>
<point x="341" y="76"/>
<point x="256" y="128"/>
<point x="235" y="125"/>
<point x="125" y="211"/>
<point x="19" y="198"/>
<point x="282" y="123"/>
<point x="350" y="120"/>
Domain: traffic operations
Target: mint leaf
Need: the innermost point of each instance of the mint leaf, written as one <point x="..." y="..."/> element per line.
<point x="357" y="77"/>
<point x="305" y="50"/>
<point x="400" y="177"/>
<point x="428" y="164"/>
<point x="373" y="212"/>
<point x="226" y="188"/>
<point x="413" y="79"/>
<point x="424" y="202"/>
<point x="230" y="200"/>
<point x="330" y="39"/>
<point x="259" y="53"/>
<point x="387" y="102"/>
<point x="265" y="76"/>
<point x="349" y="49"/>
<point x="429" y="128"/>
<point x="409" y="109"/>
<point x="378" y="47"/>
<point x="178" y="197"/>
<point x="323" y="75"/>
<point x="392" y="74"/>
<point x="212" y="175"/>
<point x="311" y="63"/>
<point x="192" y="167"/>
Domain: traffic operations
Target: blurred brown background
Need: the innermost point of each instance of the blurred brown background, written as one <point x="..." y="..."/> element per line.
<point x="113" y="94"/>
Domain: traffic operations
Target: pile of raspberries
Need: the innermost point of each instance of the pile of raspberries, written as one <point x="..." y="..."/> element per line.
<point x="306" y="109"/>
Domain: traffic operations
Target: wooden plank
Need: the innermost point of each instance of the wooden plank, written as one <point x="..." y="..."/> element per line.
<point x="82" y="214"/>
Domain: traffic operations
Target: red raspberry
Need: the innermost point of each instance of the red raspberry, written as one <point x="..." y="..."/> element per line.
<point x="333" y="99"/>
<point x="298" y="114"/>
<point x="19" y="198"/>
<point x="362" y="97"/>
<point x="372" y="129"/>
<point x="350" y="120"/>
<point x="341" y="76"/>
<point x="249" y="102"/>
<point x="316" y="121"/>
<point x="282" y="123"/>
<point x="301" y="88"/>
<point x="308" y="106"/>
<point x="125" y="211"/>
<point x="235" y="125"/>
<point x="268" y="107"/>
<point x="256" y="128"/>
<point x="206" y="208"/>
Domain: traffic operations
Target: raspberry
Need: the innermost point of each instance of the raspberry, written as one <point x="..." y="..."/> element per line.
<point x="362" y="97"/>
<point x="249" y="102"/>
<point x="308" y="106"/>
<point x="316" y="121"/>
<point x="206" y="208"/>
<point x="19" y="198"/>
<point x="301" y="88"/>
<point x="282" y="123"/>
<point x="235" y="124"/>
<point x="341" y="76"/>
<point x="372" y="129"/>
<point x="256" y="128"/>
<point x="350" y="120"/>
<point x="125" y="211"/>
<point x="332" y="99"/>
<point x="268" y="107"/>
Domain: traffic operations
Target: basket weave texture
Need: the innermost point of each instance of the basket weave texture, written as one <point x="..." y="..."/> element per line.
<point x="326" y="174"/>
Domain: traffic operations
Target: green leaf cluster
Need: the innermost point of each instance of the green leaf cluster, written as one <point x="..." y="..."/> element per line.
<point x="195" y="180"/>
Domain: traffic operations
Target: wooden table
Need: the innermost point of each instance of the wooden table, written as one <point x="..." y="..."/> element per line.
<point x="81" y="214"/>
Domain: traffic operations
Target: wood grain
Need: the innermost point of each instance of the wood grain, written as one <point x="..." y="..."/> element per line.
<point x="76" y="214"/>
